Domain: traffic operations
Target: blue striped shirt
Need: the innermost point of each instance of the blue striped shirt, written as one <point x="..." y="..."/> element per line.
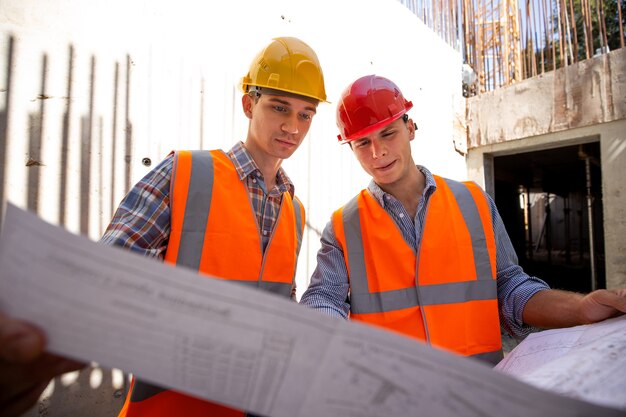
<point x="328" y="289"/>
<point x="142" y="221"/>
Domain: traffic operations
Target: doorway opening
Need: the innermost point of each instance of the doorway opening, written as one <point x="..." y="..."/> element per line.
<point x="551" y="204"/>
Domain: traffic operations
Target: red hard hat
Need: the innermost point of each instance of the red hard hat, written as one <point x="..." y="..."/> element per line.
<point x="369" y="103"/>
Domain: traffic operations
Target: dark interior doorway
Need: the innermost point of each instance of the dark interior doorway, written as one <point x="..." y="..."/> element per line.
<point x="546" y="199"/>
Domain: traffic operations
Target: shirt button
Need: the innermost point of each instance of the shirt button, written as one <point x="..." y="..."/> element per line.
<point x="401" y="215"/>
<point x="254" y="180"/>
<point x="265" y="232"/>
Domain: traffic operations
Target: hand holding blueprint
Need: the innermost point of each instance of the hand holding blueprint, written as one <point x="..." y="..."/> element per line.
<point x="236" y="345"/>
<point x="587" y="362"/>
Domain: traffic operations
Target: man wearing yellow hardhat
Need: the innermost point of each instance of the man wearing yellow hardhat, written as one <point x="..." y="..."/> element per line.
<point x="201" y="210"/>
<point x="426" y="256"/>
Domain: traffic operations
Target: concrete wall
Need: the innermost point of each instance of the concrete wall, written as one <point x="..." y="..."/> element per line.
<point x="582" y="103"/>
<point x="585" y="94"/>
<point x="90" y="91"/>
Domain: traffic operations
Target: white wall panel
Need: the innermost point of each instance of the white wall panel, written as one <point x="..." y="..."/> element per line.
<point x="150" y="77"/>
<point x="128" y="80"/>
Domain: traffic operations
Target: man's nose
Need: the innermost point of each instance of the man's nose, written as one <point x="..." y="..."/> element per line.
<point x="291" y="125"/>
<point x="378" y="149"/>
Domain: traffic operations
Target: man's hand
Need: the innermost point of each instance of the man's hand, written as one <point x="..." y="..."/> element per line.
<point x="602" y="304"/>
<point x="25" y="369"/>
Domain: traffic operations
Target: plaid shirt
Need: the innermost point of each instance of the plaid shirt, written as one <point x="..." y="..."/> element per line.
<point x="142" y="220"/>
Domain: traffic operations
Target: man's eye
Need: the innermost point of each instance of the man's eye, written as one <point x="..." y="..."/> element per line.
<point x="306" y="116"/>
<point x="280" y="108"/>
<point x="361" y="144"/>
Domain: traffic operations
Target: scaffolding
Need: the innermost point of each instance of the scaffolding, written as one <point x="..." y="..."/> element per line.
<point x="492" y="42"/>
<point x="505" y="41"/>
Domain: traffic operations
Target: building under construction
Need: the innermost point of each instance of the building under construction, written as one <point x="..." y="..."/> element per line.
<point x="554" y="71"/>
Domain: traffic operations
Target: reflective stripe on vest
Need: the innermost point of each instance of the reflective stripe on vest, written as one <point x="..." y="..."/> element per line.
<point x="209" y="240"/>
<point x="199" y="177"/>
<point x="386" y="288"/>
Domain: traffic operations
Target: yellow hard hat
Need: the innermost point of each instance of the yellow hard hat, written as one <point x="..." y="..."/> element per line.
<point x="288" y="65"/>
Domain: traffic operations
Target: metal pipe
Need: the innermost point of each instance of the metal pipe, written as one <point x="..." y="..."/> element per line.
<point x="566" y="221"/>
<point x="530" y="223"/>
<point x="548" y="228"/>
<point x="592" y="258"/>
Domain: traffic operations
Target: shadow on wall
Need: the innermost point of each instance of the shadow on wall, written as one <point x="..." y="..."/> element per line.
<point x="68" y="144"/>
<point x="4" y="123"/>
<point x="89" y="145"/>
<point x="93" y="391"/>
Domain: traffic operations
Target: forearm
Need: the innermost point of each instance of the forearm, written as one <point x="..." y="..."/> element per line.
<point x="554" y="308"/>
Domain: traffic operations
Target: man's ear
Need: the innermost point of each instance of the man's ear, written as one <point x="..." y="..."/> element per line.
<point x="412" y="128"/>
<point x="247" y="103"/>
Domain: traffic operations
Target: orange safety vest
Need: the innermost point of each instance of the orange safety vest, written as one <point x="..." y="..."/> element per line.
<point x="212" y="224"/>
<point x="446" y="293"/>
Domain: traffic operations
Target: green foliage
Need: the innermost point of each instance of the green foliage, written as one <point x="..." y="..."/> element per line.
<point x="595" y="38"/>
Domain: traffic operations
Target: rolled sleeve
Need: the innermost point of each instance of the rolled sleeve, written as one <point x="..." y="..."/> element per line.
<point x="329" y="286"/>
<point x="141" y="222"/>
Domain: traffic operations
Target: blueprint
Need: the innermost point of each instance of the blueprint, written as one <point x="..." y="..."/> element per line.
<point x="586" y="362"/>
<point x="246" y="348"/>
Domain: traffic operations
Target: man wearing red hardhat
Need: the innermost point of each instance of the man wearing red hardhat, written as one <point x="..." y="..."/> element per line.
<point x="427" y="256"/>
<point x="202" y="210"/>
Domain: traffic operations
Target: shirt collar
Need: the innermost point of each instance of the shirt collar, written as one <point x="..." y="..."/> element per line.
<point x="381" y="196"/>
<point x="246" y="167"/>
